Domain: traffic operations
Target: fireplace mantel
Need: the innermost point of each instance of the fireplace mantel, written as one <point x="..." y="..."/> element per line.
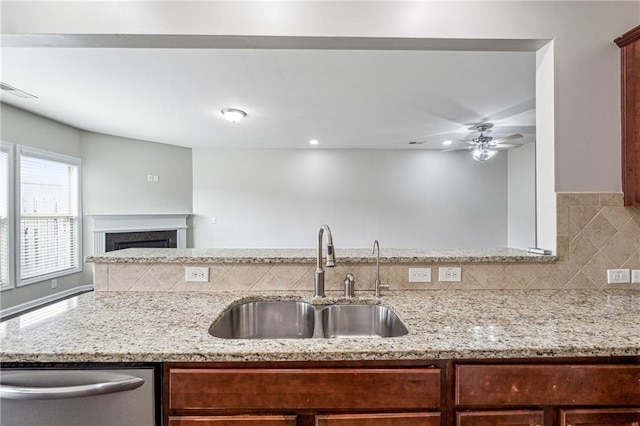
<point x="112" y="223"/>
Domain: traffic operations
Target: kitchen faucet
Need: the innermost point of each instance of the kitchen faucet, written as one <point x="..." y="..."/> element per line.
<point x="379" y="285"/>
<point x="318" y="288"/>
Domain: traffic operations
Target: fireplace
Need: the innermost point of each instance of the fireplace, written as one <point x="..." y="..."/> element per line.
<point x="116" y="232"/>
<point x="144" y="239"/>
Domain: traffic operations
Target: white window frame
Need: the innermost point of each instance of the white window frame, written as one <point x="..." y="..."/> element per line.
<point x="9" y="148"/>
<point x="15" y="280"/>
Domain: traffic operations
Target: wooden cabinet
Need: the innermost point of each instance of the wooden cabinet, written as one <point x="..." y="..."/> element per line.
<point x="600" y="417"/>
<point x="505" y="394"/>
<point x="501" y="418"/>
<point x="303" y="396"/>
<point x="273" y="420"/>
<point x="382" y="419"/>
<point x="304" y="388"/>
<point x="545" y="392"/>
<point x="535" y="384"/>
<point x="629" y="44"/>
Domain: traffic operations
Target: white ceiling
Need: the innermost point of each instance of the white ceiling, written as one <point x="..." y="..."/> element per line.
<point x="345" y="98"/>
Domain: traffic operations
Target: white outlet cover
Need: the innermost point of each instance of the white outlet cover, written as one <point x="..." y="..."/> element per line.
<point x="419" y="275"/>
<point x="194" y="274"/>
<point x="450" y="273"/>
<point x="635" y="276"/>
<point x="618" y="276"/>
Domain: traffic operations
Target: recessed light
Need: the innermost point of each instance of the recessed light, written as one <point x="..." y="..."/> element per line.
<point x="313" y="142"/>
<point x="447" y="143"/>
<point x="233" y="115"/>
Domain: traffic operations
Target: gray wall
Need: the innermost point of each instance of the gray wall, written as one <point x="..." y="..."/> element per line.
<point x="115" y="176"/>
<point x="24" y="128"/>
<point x="404" y="198"/>
<point x="521" y="203"/>
<point x="114" y="180"/>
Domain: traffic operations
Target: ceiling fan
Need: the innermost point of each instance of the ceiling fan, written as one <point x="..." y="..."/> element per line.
<point x="484" y="147"/>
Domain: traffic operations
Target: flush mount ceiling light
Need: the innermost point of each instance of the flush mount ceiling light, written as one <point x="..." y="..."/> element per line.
<point x="313" y="142"/>
<point x="447" y="143"/>
<point x="233" y="115"/>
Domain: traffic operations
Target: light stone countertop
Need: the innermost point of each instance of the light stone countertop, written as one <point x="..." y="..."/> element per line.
<point x="387" y="255"/>
<point x="443" y="324"/>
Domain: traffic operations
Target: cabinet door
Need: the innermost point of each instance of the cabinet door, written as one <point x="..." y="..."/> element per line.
<point x="321" y="389"/>
<point x="533" y="384"/>
<point x="268" y="420"/>
<point x="601" y="417"/>
<point x="630" y="77"/>
<point x="390" y="419"/>
<point x="500" y="418"/>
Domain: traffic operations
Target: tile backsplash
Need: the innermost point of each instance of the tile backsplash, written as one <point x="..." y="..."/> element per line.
<point x="595" y="233"/>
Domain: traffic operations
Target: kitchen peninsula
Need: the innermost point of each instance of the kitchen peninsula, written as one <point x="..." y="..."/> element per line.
<point x="509" y="355"/>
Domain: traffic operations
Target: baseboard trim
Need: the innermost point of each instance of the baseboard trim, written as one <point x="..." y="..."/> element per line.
<point x="37" y="303"/>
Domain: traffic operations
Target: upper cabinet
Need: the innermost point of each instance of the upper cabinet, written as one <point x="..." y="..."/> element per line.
<point x="629" y="44"/>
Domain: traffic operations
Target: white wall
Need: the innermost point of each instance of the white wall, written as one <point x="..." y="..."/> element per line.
<point x="20" y="127"/>
<point x="403" y="198"/>
<point x="587" y="99"/>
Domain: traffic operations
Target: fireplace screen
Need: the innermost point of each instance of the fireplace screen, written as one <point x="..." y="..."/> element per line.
<point x="148" y="239"/>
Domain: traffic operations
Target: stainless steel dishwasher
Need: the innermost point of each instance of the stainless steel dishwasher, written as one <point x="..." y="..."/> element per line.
<point x="96" y="397"/>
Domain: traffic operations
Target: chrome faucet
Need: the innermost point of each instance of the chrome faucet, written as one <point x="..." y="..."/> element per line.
<point x="379" y="285"/>
<point x="318" y="288"/>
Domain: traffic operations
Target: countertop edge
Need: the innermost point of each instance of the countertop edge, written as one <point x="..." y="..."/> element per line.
<point x="304" y="257"/>
<point x="525" y="353"/>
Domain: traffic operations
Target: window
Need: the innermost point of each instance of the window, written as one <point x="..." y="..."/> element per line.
<point x="6" y="173"/>
<point x="48" y="219"/>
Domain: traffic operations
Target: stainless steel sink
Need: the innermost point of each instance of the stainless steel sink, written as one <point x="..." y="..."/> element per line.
<point x="266" y="320"/>
<point x="361" y="321"/>
<point x="301" y="320"/>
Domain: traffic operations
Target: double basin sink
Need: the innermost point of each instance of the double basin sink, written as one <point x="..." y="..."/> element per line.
<point x="301" y="320"/>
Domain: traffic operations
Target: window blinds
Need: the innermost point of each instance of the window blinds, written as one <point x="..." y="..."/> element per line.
<point x="4" y="218"/>
<point x="49" y="216"/>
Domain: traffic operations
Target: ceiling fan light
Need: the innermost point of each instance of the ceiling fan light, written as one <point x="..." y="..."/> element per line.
<point x="482" y="154"/>
<point x="233" y="115"/>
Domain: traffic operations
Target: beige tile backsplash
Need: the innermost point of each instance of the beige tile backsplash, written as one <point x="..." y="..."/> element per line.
<point x="595" y="233"/>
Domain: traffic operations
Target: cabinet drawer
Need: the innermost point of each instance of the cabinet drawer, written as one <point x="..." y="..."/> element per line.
<point x="391" y="419"/>
<point x="547" y="384"/>
<point x="271" y="420"/>
<point x="599" y="417"/>
<point x="500" y="418"/>
<point x="322" y="388"/>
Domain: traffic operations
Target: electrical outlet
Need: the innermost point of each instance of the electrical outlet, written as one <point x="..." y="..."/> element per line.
<point x="449" y="273"/>
<point x="193" y="274"/>
<point x="618" y="276"/>
<point x="419" y="275"/>
<point x="54" y="283"/>
<point x="635" y="276"/>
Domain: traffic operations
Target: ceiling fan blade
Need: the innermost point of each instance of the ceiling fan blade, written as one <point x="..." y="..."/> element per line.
<point x="504" y="146"/>
<point x="463" y="148"/>
<point x="507" y="138"/>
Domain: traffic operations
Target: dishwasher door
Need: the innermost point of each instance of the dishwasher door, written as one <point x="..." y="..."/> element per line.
<point x="96" y="397"/>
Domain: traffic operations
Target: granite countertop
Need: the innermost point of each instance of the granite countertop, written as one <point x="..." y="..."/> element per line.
<point x="443" y="324"/>
<point x="387" y="255"/>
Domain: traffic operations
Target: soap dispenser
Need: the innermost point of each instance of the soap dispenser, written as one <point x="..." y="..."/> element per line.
<point x="349" y="286"/>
